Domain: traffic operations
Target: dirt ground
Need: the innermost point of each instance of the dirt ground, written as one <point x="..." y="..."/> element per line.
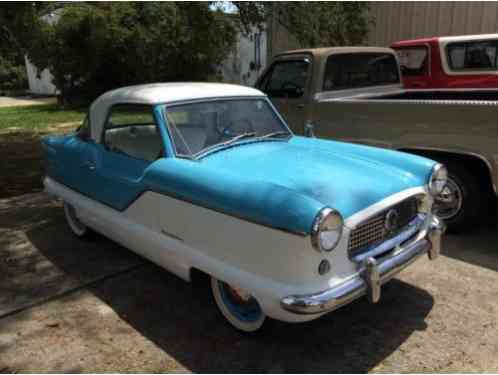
<point x="68" y="305"/>
<point x="21" y="166"/>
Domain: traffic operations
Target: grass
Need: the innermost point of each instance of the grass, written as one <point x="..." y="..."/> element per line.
<point x="37" y="118"/>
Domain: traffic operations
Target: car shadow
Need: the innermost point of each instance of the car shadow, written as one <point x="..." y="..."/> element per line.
<point x="181" y="319"/>
<point x="40" y="259"/>
<point x="478" y="247"/>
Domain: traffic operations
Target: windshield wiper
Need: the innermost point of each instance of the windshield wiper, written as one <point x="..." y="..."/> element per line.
<point x="275" y="134"/>
<point x="226" y="143"/>
<point x="238" y="137"/>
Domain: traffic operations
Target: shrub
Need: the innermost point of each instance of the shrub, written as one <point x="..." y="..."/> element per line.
<point x="94" y="47"/>
<point x="12" y="77"/>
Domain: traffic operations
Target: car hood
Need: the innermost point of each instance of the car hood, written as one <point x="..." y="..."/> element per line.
<point x="343" y="176"/>
<point x="285" y="184"/>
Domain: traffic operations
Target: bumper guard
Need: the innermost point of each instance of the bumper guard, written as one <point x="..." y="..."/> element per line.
<point x="372" y="274"/>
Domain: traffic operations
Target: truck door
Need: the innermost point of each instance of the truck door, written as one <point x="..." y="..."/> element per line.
<point x="286" y="83"/>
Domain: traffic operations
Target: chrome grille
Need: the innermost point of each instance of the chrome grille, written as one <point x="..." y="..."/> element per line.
<point x="373" y="231"/>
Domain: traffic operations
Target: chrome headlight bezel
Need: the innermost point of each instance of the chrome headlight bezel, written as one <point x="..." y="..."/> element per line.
<point x="437" y="179"/>
<point x="327" y="216"/>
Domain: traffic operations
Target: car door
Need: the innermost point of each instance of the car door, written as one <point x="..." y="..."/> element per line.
<point x="114" y="168"/>
<point x="72" y="166"/>
<point x="287" y="83"/>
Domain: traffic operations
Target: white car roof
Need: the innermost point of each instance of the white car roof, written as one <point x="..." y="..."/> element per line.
<point x="162" y="93"/>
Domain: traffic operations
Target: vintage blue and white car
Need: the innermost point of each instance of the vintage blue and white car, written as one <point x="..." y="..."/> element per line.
<point x="208" y="177"/>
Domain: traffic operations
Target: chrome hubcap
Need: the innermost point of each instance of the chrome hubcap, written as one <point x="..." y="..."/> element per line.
<point x="449" y="203"/>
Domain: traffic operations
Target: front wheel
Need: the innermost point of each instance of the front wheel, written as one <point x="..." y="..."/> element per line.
<point x="462" y="201"/>
<point x="240" y="308"/>
<point x="77" y="227"/>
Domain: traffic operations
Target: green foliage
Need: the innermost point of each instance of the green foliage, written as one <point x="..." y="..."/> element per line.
<point x="12" y="77"/>
<point x="323" y="24"/>
<point x="94" y="47"/>
<point x="16" y="23"/>
<point x="313" y="24"/>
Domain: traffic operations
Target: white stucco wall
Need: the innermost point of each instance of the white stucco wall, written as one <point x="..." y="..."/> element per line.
<point x="41" y="85"/>
<point x="248" y="59"/>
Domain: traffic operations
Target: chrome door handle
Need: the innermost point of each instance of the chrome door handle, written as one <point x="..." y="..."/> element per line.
<point x="90" y="165"/>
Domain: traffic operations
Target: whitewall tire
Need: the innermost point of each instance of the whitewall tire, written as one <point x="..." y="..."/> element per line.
<point x="77" y="227"/>
<point x="240" y="308"/>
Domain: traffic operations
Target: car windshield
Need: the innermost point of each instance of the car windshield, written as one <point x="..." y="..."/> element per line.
<point x="198" y="128"/>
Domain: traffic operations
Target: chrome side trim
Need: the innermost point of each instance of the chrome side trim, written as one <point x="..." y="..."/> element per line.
<point x="171" y="235"/>
<point x="363" y="92"/>
<point x="371" y="275"/>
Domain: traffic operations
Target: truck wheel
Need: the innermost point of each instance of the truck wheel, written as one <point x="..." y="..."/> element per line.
<point x="461" y="201"/>
<point x="77" y="227"/>
<point x="238" y="307"/>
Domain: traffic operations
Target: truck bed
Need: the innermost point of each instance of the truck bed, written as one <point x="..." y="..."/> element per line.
<point x="406" y="120"/>
<point x="457" y="94"/>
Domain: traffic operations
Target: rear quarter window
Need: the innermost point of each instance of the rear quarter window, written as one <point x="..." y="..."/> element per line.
<point x="413" y="61"/>
<point x="354" y="70"/>
<point x="475" y="55"/>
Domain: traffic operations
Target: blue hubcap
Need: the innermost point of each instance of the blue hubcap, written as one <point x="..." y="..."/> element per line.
<point x="244" y="309"/>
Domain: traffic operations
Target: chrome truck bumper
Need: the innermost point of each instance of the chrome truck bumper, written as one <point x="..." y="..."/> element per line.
<point x="372" y="274"/>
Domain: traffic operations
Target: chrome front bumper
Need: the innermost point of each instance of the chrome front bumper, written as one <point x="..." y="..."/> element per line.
<point x="372" y="274"/>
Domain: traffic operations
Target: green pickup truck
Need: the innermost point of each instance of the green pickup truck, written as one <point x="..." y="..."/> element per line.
<point x="355" y="94"/>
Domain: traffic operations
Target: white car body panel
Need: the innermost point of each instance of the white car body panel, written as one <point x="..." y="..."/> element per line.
<point x="179" y="236"/>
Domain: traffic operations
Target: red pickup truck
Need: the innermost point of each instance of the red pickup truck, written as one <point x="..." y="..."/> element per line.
<point x="456" y="62"/>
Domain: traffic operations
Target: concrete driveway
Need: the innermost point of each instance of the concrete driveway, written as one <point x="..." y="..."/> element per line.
<point x="73" y="306"/>
<point x="7" y="101"/>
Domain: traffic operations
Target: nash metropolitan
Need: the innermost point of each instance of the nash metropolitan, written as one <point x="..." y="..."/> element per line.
<point x="208" y="177"/>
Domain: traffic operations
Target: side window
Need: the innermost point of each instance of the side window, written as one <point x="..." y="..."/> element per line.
<point x="83" y="131"/>
<point x="352" y="70"/>
<point x="286" y="79"/>
<point x="131" y="129"/>
<point x="473" y="55"/>
<point x="414" y="61"/>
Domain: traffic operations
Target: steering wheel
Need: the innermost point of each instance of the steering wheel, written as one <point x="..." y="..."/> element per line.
<point x="227" y="131"/>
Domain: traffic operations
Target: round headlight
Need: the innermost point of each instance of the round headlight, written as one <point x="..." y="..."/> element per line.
<point x="327" y="230"/>
<point x="438" y="178"/>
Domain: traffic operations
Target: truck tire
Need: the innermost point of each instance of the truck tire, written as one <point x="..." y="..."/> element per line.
<point x="462" y="202"/>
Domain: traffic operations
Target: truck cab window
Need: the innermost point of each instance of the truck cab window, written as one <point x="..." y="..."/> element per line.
<point x="286" y="79"/>
<point x="352" y="70"/>
<point x="473" y="55"/>
<point x="413" y="61"/>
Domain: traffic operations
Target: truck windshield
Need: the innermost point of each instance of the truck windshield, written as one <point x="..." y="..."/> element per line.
<point x="353" y="70"/>
<point x="197" y="128"/>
